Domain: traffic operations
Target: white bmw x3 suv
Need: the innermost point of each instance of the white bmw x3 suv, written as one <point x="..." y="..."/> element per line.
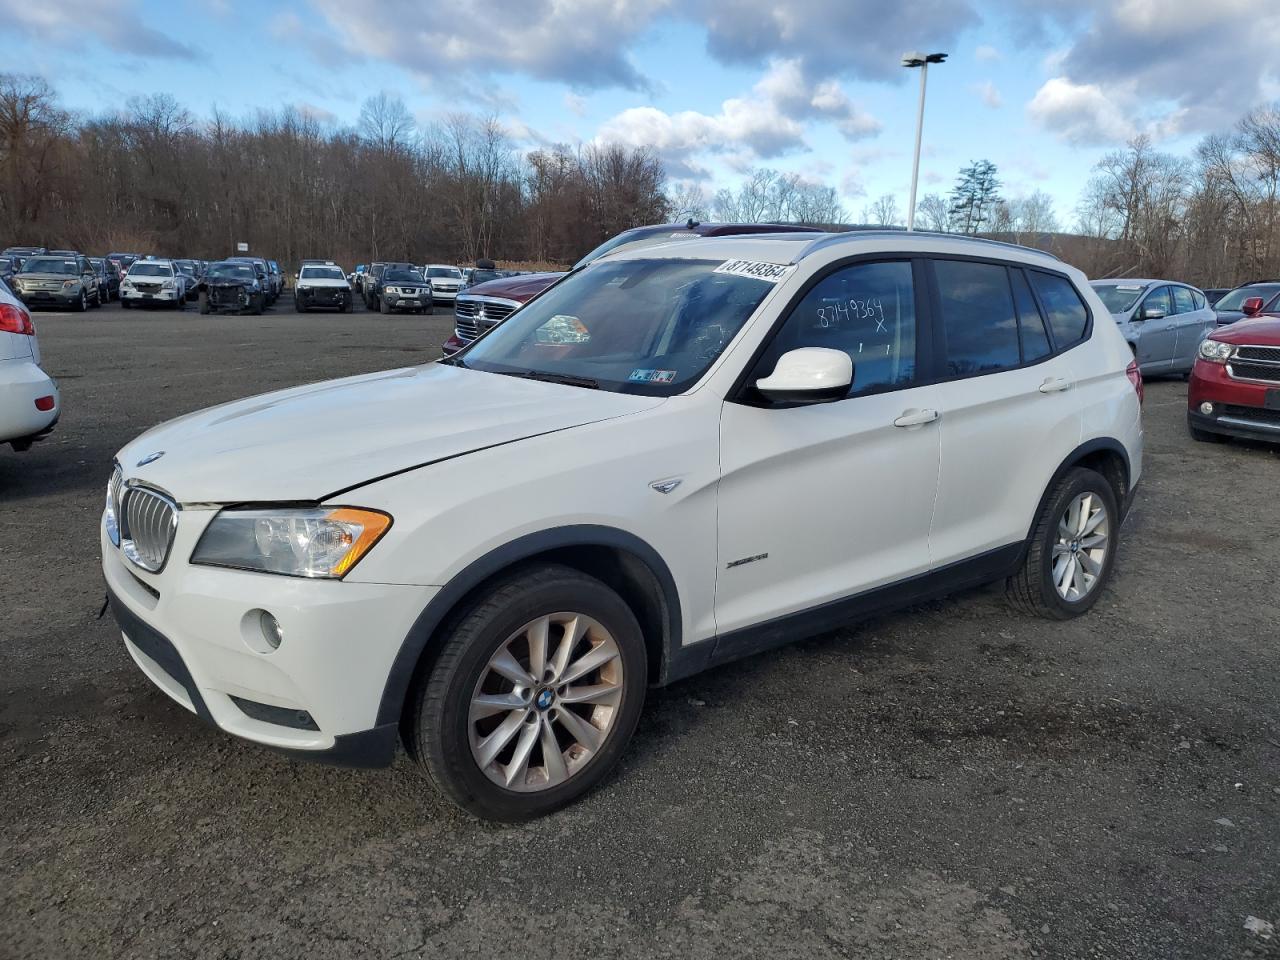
<point x="671" y="458"/>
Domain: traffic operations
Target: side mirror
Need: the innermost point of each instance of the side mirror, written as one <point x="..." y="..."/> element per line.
<point x="1251" y="307"/>
<point x="809" y="375"/>
<point x="1150" y="313"/>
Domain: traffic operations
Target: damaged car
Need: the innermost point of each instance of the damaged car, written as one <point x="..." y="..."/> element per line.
<point x="232" y="286"/>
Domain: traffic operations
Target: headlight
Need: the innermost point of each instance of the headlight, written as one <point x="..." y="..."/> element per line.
<point x="302" y="288"/>
<point x="69" y="283"/>
<point x="321" y="542"/>
<point x="168" y="284"/>
<point x="1215" y="351"/>
<point x="109" y="517"/>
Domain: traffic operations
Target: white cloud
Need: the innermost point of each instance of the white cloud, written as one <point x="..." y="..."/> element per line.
<point x="63" y="24"/>
<point x="575" y="104"/>
<point x="768" y="122"/>
<point x="986" y="54"/>
<point x="989" y="94"/>
<point x="1079" y="113"/>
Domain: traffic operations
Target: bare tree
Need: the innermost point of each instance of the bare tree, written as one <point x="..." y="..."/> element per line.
<point x="884" y="212"/>
<point x="933" y="213"/>
<point x="385" y="123"/>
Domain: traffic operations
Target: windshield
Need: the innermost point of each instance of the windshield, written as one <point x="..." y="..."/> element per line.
<point x="402" y="276"/>
<point x="631" y="241"/>
<point x="635" y="326"/>
<point x="444" y="273"/>
<point x="1119" y="297"/>
<point x="322" y="273"/>
<point x="50" y="265"/>
<point x="151" y="270"/>
<point x="1236" y="298"/>
<point x="232" y="271"/>
<point x="483" y="276"/>
<point x="188" y="268"/>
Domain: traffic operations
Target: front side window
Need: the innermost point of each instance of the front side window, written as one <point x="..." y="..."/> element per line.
<point x="1068" y="317"/>
<point x="1182" y="300"/>
<point x="868" y="310"/>
<point x="978" y="318"/>
<point x="651" y="327"/>
<point x="1158" y="299"/>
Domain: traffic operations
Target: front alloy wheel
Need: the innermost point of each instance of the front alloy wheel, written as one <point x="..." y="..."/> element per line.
<point x="534" y="694"/>
<point x="546" y="702"/>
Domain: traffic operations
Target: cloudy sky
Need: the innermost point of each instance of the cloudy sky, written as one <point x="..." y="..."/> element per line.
<point x="1041" y="87"/>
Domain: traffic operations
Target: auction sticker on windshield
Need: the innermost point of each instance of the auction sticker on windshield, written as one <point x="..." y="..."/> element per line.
<point x="757" y="269"/>
<point x="652" y="376"/>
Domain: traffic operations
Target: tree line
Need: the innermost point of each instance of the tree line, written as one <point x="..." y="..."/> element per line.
<point x="152" y="178"/>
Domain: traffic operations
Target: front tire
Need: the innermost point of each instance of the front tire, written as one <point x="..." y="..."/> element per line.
<point x="1072" y="549"/>
<point x="384" y="307"/>
<point x="533" y="697"/>
<point x="82" y="304"/>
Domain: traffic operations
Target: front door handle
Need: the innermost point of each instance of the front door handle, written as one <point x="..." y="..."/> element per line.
<point x="916" y="418"/>
<point x="1055" y="385"/>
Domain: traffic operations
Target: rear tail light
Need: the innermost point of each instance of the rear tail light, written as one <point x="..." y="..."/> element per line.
<point x="16" y="320"/>
<point x="1135" y="377"/>
<point x="44" y="403"/>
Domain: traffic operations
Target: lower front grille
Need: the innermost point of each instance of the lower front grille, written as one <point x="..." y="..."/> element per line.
<point x="148" y="522"/>
<point x="1256" y="414"/>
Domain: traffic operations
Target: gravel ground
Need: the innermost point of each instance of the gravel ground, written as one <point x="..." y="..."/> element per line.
<point x="951" y="781"/>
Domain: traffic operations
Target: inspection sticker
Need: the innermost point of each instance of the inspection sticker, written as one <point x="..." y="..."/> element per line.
<point x="652" y="376"/>
<point x="757" y="269"/>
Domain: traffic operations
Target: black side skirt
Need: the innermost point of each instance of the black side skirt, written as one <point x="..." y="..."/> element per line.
<point x="971" y="572"/>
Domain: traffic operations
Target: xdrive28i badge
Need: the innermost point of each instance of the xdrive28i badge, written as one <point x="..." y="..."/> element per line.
<point x="150" y="458"/>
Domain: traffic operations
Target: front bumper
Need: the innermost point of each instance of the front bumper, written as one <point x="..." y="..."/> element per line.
<point x="1240" y="408"/>
<point x="323" y="297"/>
<point x="398" y="301"/>
<point x="190" y="630"/>
<point x="44" y="298"/>
<point x="159" y="296"/>
<point x="444" y="296"/>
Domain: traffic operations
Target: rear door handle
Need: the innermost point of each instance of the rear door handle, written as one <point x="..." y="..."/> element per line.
<point x="1055" y="385"/>
<point x="916" y="418"/>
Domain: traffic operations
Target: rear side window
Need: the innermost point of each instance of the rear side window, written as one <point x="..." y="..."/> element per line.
<point x="978" y="317"/>
<point x="1067" y="315"/>
<point x="1035" y="341"/>
<point x="1198" y="297"/>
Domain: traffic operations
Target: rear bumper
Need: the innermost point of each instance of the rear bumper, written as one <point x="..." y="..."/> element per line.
<point x="22" y="383"/>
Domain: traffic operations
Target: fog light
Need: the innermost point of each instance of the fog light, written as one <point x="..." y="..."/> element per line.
<point x="1206" y="408"/>
<point x="271" y="630"/>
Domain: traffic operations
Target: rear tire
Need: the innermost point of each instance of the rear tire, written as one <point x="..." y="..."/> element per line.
<point x="446" y="736"/>
<point x="1071" y="550"/>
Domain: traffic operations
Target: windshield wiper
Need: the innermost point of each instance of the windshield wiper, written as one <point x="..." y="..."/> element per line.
<point x="568" y="379"/>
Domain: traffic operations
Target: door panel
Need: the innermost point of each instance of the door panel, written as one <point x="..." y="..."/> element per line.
<point x="1192" y="324"/>
<point x="832" y="499"/>
<point x="1157" y="339"/>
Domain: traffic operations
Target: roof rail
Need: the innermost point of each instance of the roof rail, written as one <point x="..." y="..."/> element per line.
<point x="832" y="239"/>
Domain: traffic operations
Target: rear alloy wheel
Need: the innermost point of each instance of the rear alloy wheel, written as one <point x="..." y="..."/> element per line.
<point x="534" y="696"/>
<point x="1072" y="548"/>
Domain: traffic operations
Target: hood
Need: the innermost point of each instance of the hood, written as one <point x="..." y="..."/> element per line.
<point x="309" y="442"/>
<point x="520" y="289"/>
<point x="322" y="282"/>
<point x="1264" y="331"/>
<point x="228" y="282"/>
<point x="60" y="277"/>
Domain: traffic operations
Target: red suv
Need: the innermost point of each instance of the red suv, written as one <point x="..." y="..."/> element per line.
<point x="1235" y="383"/>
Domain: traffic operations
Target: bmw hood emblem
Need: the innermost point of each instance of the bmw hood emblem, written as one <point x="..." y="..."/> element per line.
<point x="150" y="458"/>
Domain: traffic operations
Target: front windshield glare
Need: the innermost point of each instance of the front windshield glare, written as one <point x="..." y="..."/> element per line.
<point x="150" y="270"/>
<point x="37" y="265"/>
<point x="444" y="273"/>
<point x="632" y="326"/>
<point x="1118" y="298"/>
<point x="1236" y="298"/>
<point x="402" y="276"/>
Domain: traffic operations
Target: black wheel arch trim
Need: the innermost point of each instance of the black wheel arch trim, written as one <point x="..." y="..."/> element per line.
<point x="1086" y="449"/>
<point x="424" y="628"/>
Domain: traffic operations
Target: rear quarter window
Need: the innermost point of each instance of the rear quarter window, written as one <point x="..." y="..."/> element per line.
<point x="1067" y="315"/>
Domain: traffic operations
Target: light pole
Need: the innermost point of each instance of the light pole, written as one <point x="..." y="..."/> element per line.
<point x="921" y="60"/>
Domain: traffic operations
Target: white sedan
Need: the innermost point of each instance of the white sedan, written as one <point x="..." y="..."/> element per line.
<point x="29" y="402"/>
